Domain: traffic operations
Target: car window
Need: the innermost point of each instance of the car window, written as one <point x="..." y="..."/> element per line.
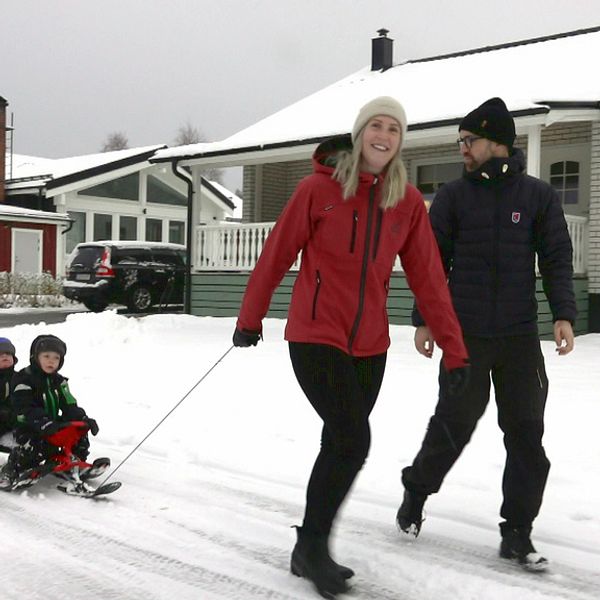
<point x="166" y="256"/>
<point x="86" y="257"/>
<point x="131" y="256"/>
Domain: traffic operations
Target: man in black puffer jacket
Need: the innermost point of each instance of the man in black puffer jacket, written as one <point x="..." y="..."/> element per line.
<point x="490" y="226"/>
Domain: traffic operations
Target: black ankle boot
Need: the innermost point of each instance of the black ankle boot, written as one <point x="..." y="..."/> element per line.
<point x="516" y="545"/>
<point x="311" y="559"/>
<point x="410" y="514"/>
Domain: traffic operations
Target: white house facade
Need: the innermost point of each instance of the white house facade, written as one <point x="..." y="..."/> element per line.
<point x="116" y="195"/>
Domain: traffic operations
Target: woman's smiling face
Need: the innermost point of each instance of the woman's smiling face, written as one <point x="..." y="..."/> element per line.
<point x="381" y="139"/>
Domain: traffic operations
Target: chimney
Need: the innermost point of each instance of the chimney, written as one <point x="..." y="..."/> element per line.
<point x="382" y="51"/>
<point x="3" y="105"/>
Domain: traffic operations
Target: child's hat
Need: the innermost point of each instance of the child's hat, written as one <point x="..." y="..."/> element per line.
<point x="48" y="343"/>
<point x="6" y="346"/>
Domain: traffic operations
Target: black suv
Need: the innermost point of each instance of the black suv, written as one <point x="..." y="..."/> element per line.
<point x="137" y="274"/>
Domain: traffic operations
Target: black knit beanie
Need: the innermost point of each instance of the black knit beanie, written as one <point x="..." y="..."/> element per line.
<point x="491" y="120"/>
<point x="6" y="346"/>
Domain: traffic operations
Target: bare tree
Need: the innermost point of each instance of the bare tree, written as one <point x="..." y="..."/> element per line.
<point x="188" y="134"/>
<point x="116" y="140"/>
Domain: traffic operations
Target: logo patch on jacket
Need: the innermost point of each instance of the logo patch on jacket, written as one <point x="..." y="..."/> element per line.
<point x="516" y="217"/>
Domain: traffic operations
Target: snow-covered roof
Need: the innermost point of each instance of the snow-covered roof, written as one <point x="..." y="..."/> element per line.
<point x="29" y="168"/>
<point x="226" y="196"/>
<point x="16" y="213"/>
<point x="531" y="76"/>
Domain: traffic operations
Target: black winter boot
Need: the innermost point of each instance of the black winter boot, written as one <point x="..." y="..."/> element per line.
<point x="311" y="559"/>
<point x="516" y="545"/>
<point x="410" y="514"/>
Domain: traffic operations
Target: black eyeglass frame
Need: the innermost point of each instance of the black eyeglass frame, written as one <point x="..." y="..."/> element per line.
<point x="468" y="140"/>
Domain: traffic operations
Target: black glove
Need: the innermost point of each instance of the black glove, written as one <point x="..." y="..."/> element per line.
<point x="91" y="423"/>
<point x="242" y="338"/>
<point x="458" y="380"/>
<point x="48" y="427"/>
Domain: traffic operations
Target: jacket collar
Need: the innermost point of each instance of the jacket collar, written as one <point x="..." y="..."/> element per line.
<point x="499" y="169"/>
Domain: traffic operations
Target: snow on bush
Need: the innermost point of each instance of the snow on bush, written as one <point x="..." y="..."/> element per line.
<point x="28" y="289"/>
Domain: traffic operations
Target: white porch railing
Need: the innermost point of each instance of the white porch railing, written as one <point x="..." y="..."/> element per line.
<point x="235" y="247"/>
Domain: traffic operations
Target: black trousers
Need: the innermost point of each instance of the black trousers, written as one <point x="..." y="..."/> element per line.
<point x="32" y="450"/>
<point x="516" y="365"/>
<point x="343" y="390"/>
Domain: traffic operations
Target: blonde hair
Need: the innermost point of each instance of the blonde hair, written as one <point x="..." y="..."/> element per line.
<point x="347" y="172"/>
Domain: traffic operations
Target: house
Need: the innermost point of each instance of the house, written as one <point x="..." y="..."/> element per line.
<point x="29" y="239"/>
<point x="547" y="86"/>
<point x="111" y="195"/>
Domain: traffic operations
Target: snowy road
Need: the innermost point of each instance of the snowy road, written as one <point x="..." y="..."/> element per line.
<point x="207" y="504"/>
<point x="142" y="544"/>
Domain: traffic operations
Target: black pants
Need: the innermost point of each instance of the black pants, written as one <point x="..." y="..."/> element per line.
<point x="517" y="371"/>
<point x="32" y="450"/>
<point x="343" y="390"/>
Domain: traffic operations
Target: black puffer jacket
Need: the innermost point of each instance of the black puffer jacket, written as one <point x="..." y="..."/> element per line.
<point x="490" y="224"/>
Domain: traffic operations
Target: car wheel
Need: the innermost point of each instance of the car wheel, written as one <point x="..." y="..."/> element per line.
<point x="95" y="305"/>
<point x="140" y="299"/>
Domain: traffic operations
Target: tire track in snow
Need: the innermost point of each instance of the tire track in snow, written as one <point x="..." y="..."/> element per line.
<point x="476" y="559"/>
<point x="128" y="559"/>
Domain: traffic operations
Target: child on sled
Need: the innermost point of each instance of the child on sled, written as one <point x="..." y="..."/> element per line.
<point x="43" y="406"/>
<point x="8" y="360"/>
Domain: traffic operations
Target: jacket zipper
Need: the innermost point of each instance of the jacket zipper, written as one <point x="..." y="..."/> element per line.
<point x="495" y="258"/>
<point x="354" y="227"/>
<point x="363" y="274"/>
<point x="314" y="306"/>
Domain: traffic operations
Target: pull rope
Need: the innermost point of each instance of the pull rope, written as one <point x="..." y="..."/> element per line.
<point x="165" y="417"/>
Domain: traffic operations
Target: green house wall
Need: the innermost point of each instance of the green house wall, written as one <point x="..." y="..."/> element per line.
<point x="220" y="295"/>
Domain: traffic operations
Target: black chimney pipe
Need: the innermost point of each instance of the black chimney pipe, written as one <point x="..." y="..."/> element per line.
<point x="382" y="50"/>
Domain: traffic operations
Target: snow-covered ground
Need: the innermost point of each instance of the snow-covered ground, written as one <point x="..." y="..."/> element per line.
<point x="207" y="502"/>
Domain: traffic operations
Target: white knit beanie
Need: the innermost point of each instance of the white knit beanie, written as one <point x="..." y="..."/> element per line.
<point x="383" y="105"/>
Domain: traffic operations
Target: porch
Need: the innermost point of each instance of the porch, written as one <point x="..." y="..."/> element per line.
<point x="224" y="256"/>
<point x="236" y="247"/>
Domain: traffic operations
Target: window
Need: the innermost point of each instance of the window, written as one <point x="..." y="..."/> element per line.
<point x="124" y="188"/>
<point x="102" y="227"/>
<point x="159" y="191"/>
<point x="430" y="178"/>
<point x="177" y="232"/>
<point x="153" y="230"/>
<point x="564" y="178"/>
<point x="76" y="234"/>
<point x="128" y="228"/>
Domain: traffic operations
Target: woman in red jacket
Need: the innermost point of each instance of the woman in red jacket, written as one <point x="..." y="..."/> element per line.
<point x="351" y="218"/>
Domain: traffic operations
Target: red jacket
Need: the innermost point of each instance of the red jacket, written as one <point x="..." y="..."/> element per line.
<point x="348" y="251"/>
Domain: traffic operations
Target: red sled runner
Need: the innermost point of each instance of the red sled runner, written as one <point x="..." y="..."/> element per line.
<point x="65" y="465"/>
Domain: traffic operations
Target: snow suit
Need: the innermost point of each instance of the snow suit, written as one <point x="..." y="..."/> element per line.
<point x="39" y="398"/>
<point x="6" y="412"/>
<point x="490" y="225"/>
<point x="337" y="326"/>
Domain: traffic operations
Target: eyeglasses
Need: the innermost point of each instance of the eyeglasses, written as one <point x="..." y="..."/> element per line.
<point x="468" y="140"/>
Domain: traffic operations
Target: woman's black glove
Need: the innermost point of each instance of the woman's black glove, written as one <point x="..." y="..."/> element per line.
<point x="242" y="338"/>
<point x="458" y="380"/>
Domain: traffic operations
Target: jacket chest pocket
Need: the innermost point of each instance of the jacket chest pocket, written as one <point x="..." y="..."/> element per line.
<point x="339" y="231"/>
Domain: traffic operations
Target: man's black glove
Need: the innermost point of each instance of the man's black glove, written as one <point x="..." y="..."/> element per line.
<point x="48" y="427"/>
<point x="458" y="380"/>
<point x="91" y="423"/>
<point x="242" y="338"/>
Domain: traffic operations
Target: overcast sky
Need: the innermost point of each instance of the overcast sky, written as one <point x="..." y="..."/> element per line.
<point x="74" y="71"/>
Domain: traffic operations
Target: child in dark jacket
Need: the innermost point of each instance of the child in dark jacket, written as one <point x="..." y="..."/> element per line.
<point x="42" y="403"/>
<point x="8" y="360"/>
